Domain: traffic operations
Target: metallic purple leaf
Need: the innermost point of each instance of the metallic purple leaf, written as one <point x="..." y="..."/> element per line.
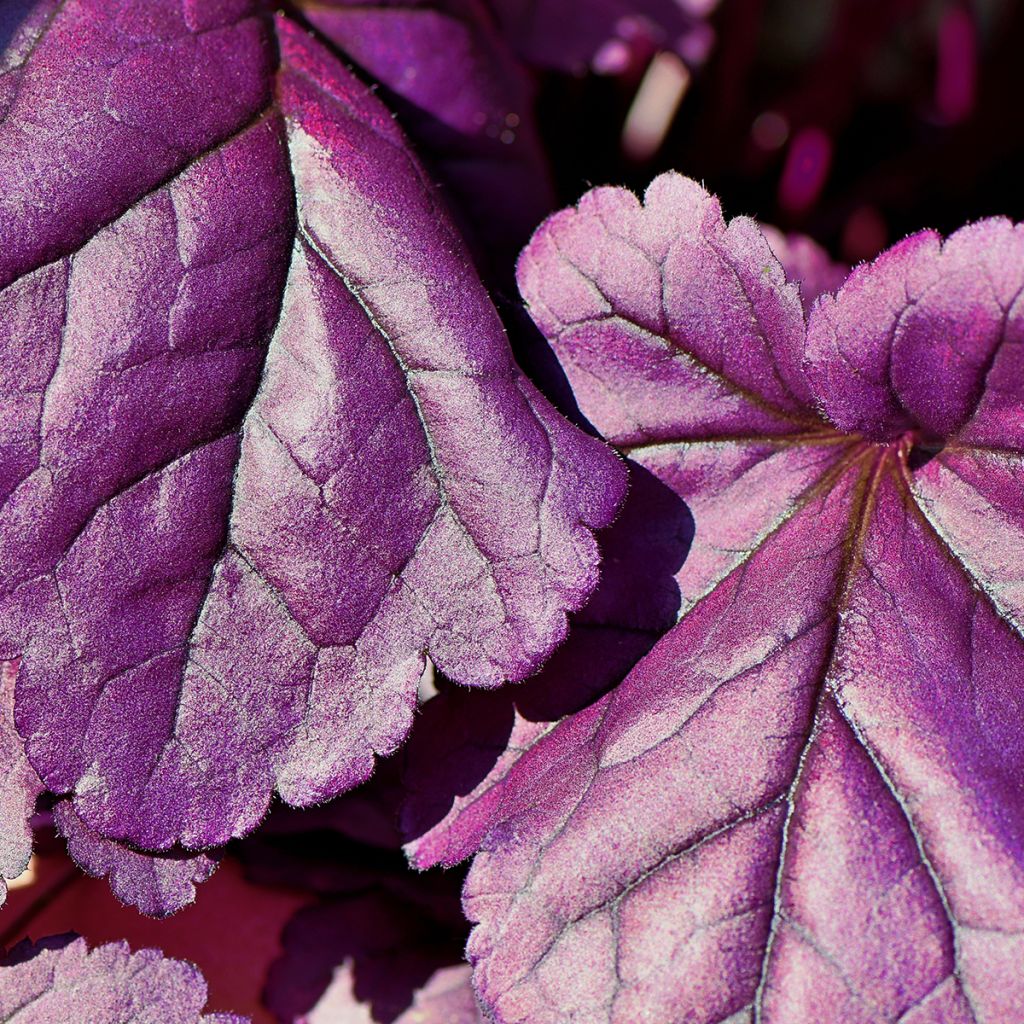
<point x="59" y="980"/>
<point x="460" y="756"/>
<point x="806" y="803"/>
<point x="267" y="447"/>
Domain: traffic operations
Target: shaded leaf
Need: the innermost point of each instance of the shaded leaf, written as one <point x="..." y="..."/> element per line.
<point x="465" y="742"/>
<point x="373" y="957"/>
<point x="464" y="100"/>
<point x="805" y="263"/>
<point x="155" y="884"/>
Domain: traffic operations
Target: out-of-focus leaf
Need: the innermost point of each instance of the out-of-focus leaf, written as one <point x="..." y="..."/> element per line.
<point x="612" y="36"/>
<point x="806" y="263"/>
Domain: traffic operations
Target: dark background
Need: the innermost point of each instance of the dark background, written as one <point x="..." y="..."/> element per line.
<point x="920" y="101"/>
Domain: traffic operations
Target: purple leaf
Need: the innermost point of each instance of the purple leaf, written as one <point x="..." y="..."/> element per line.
<point x="464" y="100"/>
<point x="156" y="884"/>
<point x="465" y="743"/>
<point x="20" y="788"/>
<point x="806" y="803"/>
<point x="59" y="980"/>
<point x="613" y="36"/>
<point x="267" y="447"/>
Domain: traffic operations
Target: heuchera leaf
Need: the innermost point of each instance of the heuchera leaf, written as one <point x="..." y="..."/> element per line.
<point x="155" y="884"/>
<point x="267" y="447"/>
<point x="464" y="100"/>
<point x="19" y="789"/>
<point x="59" y="980"/>
<point x="613" y="36"/>
<point x="807" y="802"/>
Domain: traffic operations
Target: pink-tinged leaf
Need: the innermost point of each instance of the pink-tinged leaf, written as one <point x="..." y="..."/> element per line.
<point x="466" y="103"/>
<point x="611" y="36"/>
<point x="155" y="884"/>
<point x="265" y="445"/>
<point x="807" y="802"/>
<point x="19" y="790"/>
<point x="465" y="743"/>
<point x="59" y="980"/>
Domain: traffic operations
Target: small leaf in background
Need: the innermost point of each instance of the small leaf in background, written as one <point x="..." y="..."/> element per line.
<point x="381" y="944"/>
<point x="60" y="979"/>
<point x="806" y="802"/>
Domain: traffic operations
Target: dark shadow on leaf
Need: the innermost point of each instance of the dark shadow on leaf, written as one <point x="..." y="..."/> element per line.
<point x="376" y="946"/>
<point x="461" y="734"/>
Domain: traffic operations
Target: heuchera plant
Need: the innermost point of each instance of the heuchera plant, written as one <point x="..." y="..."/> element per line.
<point x="267" y="462"/>
<point x="61" y="980"/>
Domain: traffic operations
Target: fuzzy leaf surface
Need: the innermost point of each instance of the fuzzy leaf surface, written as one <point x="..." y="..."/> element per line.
<point x="20" y="788"/>
<point x="806" y="803"/>
<point x="265" y="447"/>
<point x="157" y="884"/>
<point x="459" y="758"/>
